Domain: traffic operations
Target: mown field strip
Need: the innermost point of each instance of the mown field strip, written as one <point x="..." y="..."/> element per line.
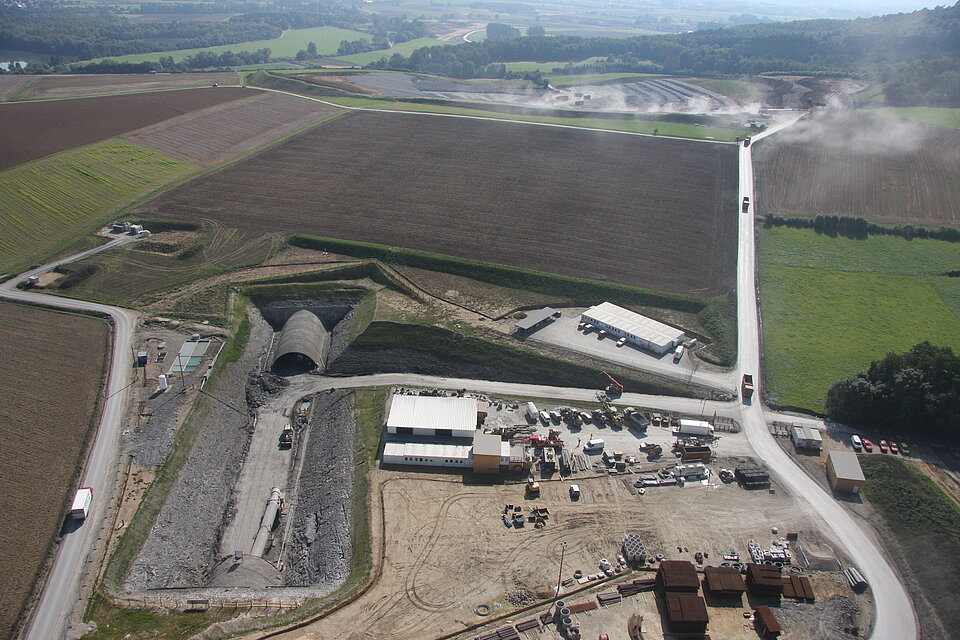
<point x="47" y="202"/>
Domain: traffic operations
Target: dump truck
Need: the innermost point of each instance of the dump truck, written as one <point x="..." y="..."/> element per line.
<point x="747" y="386"/>
<point x="81" y="503"/>
<point x="533" y="487"/>
<point x="286" y="437"/>
<point x="746" y="142"/>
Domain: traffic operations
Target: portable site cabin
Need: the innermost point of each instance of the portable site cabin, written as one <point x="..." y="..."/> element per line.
<point x="806" y="437"/>
<point x="844" y="472"/>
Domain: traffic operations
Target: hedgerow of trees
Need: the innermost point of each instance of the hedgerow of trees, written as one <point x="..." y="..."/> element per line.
<point x="857" y="227"/>
<point x="917" y="392"/>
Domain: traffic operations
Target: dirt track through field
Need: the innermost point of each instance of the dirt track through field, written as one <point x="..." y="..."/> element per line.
<point x="77" y="86"/>
<point x="36" y="129"/>
<point x="50" y="376"/>
<point x="639" y="211"/>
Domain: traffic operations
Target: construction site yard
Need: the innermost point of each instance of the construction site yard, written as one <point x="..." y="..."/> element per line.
<point x="449" y="563"/>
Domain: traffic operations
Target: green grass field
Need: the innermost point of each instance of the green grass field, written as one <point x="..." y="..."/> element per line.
<point x="46" y="203"/>
<point x="599" y="78"/>
<point x="830" y="306"/>
<point x="327" y="40"/>
<point x="218" y="250"/>
<point x="940" y="117"/>
<point x="634" y="126"/>
<point x="922" y="518"/>
<point x="404" y="48"/>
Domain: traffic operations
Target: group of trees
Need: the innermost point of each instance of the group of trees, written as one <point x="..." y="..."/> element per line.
<point x="85" y="36"/>
<point x="812" y="46"/>
<point x="857" y="227"/>
<point x="931" y="83"/>
<point x="915" y="392"/>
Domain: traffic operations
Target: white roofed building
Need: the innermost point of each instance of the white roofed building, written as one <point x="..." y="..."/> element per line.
<point x="432" y="416"/>
<point x="640" y="330"/>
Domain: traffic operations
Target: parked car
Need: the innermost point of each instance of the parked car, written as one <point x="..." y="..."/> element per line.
<point x="602" y="334"/>
<point x="883" y="446"/>
<point x="867" y="445"/>
<point x="621" y="342"/>
<point x="893" y="447"/>
<point x="581" y="326"/>
<point x="904" y="448"/>
<point x="856" y="442"/>
<point x="587" y="328"/>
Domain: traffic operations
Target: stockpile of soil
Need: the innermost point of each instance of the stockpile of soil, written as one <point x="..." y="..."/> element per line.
<point x="320" y="547"/>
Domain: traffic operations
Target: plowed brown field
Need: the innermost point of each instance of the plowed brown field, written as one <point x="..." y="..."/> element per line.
<point x="81" y="86"/>
<point x="36" y="129"/>
<point x="861" y="164"/>
<point x="50" y="378"/>
<point x="215" y="134"/>
<point x="635" y="210"/>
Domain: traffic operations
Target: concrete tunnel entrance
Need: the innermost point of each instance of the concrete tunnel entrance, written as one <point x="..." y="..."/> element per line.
<point x="303" y="344"/>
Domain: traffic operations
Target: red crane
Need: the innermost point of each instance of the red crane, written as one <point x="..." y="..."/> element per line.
<point x="615" y="388"/>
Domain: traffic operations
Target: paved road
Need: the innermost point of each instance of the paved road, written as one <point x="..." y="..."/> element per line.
<point x="61" y="590"/>
<point x="895" y="617"/>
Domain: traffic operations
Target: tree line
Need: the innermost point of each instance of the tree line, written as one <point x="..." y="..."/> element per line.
<point x="858" y="228"/>
<point x="862" y="46"/>
<point x="916" y="392"/>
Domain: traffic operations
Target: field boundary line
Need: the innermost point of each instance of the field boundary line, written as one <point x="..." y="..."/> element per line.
<point x="493" y="119"/>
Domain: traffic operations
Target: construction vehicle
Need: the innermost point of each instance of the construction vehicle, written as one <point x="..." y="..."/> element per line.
<point x="747" y="386"/>
<point x="81" y="503"/>
<point x="533" y="487"/>
<point x="609" y="411"/>
<point x="614" y="389"/>
<point x="652" y="450"/>
<point x="746" y="142"/>
<point x="286" y="437"/>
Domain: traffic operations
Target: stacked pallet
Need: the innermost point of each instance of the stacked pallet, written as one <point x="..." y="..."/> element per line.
<point x="503" y="633"/>
<point x="764" y="578"/>
<point x="637" y="586"/>
<point x="526" y="625"/>
<point x="580" y="607"/>
<point x="611" y="597"/>
<point x="798" y="588"/>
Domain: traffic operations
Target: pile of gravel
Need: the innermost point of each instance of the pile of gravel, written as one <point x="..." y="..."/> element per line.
<point x="833" y="619"/>
<point x="320" y="548"/>
<point x="184" y="540"/>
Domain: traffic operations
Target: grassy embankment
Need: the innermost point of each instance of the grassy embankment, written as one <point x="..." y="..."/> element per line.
<point x="940" y="117"/>
<point x="831" y="306"/>
<point x="925" y="525"/>
<point x="629" y="125"/>
<point x="718" y="315"/>
<point x="113" y="621"/>
<point x="327" y="39"/>
<point x="46" y="204"/>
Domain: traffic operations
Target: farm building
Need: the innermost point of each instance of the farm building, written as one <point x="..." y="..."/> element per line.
<point x="677" y="575"/>
<point x="432" y="416"/>
<point x="686" y="613"/>
<point x="806" y="437"/>
<point x="844" y="472"/>
<point x="537" y="319"/>
<point x="723" y="581"/>
<point x="640" y="330"/>
<point x="303" y="342"/>
<point x="427" y="454"/>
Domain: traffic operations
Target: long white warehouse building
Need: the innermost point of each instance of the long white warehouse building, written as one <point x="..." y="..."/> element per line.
<point x="640" y="330"/>
<point x="432" y="416"/>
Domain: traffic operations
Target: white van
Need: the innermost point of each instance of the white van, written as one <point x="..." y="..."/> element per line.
<point x="856" y="442"/>
<point x="678" y="353"/>
<point x="594" y="444"/>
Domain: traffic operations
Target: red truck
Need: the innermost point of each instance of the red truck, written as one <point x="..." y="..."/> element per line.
<point x="747" y="386"/>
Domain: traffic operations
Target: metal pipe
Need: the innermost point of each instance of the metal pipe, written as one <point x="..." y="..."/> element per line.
<point x="266" y="523"/>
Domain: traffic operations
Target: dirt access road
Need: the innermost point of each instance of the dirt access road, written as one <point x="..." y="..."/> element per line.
<point x="63" y="582"/>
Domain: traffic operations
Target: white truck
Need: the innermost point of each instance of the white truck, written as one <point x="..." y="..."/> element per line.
<point x="694" y="428"/>
<point x="81" y="503"/>
<point x="532" y="412"/>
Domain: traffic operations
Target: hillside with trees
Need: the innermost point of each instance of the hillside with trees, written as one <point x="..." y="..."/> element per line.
<point x="864" y="47"/>
<point x="916" y="392"/>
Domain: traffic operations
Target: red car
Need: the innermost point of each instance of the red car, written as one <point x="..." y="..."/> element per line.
<point x="867" y="445"/>
<point x="883" y="446"/>
<point x="893" y="447"/>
